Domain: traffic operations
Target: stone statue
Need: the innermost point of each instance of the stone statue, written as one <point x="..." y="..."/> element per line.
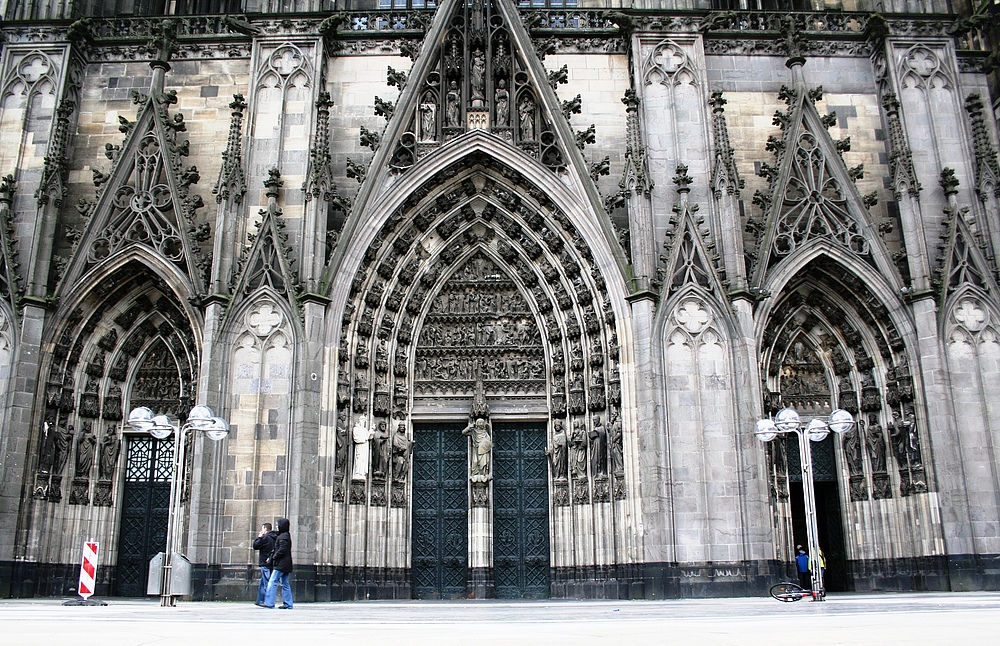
<point x="875" y="441"/>
<point x="557" y="451"/>
<point x="47" y="446"/>
<point x="526" y="113"/>
<point x="912" y="438"/>
<point x="482" y="446"/>
<point x="852" y="448"/>
<point x="361" y="435"/>
<point x="380" y="458"/>
<point x="502" y="105"/>
<point x="401" y="449"/>
<point x="452" y="111"/>
<point x="598" y="448"/>
<point x="343" y="439"/>
<point x="900" y="438"/>
<point x="477" y="78"/>
<point x="578" y="450"/>
<point x="615" y="437"/>
<point x="110" y="446"/>
<point x="428" y="131"/>
<point x="85" y="453"/>
<point x="61" y="439"/>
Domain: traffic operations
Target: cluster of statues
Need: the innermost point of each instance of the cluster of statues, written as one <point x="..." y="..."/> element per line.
<point x="464" y="369"/>
<point x="57" y="446"/>
<point x="507" y="332"/>
<point x="479" y="302"/>
<point x="586" y="450"/>
<point x="376" y="450"/>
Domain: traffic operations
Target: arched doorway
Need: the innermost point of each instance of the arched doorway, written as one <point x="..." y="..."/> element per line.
<point x="830" y="343"/>
<point x="480" y="332"/>
<point x="477" y="276"/>
<point x="148" y="468"/>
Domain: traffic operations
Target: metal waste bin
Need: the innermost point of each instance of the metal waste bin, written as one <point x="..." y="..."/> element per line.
<point x="180" y="575"/>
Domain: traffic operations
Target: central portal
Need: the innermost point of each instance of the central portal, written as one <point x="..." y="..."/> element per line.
<point x="520" y="512"/>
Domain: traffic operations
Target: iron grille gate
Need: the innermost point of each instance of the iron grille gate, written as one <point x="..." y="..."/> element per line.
<point x="145" y="504"/>
<point x="440" y="512"/>
<point x="520" y="512"/>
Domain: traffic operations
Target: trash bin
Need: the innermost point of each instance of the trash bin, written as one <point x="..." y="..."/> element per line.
<point x="180" y="575"/>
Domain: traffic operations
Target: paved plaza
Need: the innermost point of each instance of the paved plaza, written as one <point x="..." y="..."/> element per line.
<point x="884" y="619"/>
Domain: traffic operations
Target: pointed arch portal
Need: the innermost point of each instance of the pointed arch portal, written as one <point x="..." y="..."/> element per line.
<point x="478" y="275"/>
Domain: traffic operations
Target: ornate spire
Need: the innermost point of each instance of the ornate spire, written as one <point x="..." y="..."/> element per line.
<point x="268" y="261"/>
<point x="724" y="172"/>
<point x="987" y="169"/>
<point x="10" y="282"/>
<point x="900" y="157"/>
<point x="636" y="176"/>
<point x="53" y="183"/>
<point x="232" y="181"/>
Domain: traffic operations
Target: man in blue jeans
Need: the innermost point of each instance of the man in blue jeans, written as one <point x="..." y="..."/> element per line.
<point x="264" y="544"/>
<point x="281" y="568"/>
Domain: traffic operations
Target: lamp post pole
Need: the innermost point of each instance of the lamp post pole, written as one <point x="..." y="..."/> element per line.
<point x="201" y="418"/>
<point x="787" y="421"/>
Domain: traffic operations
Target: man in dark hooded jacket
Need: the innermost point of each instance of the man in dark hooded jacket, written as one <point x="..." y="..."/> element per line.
<point x="281" y="568"/>
<point x="264" y="544"/>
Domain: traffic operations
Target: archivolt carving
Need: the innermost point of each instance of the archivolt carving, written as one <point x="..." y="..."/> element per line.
<point x="476" y="269"/>
<point x="135" y="340"/>
<point x="828" y="339"/>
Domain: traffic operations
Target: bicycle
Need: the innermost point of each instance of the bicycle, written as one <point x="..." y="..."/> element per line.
<point x="790" y="592"/>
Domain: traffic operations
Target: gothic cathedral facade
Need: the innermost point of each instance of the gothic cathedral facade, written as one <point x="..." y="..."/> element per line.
<point x="492" y="294"/>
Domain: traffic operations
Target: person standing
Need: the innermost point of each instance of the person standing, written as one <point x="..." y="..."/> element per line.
<point x="264" y="544"/>
<point x="281" y="568"/>
<point x="802" y="562"/>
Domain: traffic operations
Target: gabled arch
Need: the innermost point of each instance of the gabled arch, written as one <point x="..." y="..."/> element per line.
<point x="145" y="201"/>
<point x="811" y="195"/>
<point x="143" y="259"/>
<point x="433" y="171"/>
<point x="823" y="251"/>
<point x="506" y="38"/>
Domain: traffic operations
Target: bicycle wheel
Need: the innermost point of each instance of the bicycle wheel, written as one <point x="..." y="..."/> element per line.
<point x="787" y="592"/>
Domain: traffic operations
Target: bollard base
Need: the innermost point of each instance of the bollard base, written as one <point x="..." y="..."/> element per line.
<point x="84" y="602"/>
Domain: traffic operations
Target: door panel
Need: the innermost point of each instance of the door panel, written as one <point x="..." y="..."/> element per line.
<point x="440" y="512"/>
<point x="520" y="511"/>
<point x="145" y="510"/>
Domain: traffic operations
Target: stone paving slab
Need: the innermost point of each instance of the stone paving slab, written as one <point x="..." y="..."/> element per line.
<point x="905" y="619"/>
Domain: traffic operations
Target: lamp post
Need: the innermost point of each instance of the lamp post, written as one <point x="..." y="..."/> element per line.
<point x="202" y="419"/>
<point x="787" y="421"/>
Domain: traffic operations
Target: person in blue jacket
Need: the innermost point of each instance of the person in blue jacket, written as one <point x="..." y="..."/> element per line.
<point x="802" y="561"/>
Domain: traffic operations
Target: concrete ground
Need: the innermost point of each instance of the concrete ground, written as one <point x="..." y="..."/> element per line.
<point x="883" y="619"/>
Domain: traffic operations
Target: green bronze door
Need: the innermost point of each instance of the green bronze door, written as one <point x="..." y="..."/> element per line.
<point x="440" y="511"/>
<point x="520" y="511"/>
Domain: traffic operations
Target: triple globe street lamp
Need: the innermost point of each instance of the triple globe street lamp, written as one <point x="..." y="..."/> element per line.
<point x="787" y="421"/>
<point x="200" y="419"/>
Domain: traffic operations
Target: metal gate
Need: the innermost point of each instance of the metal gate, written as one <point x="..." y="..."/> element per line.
<point x="520" y="512"/>
<point x="440" y="512"/>
<point x="145" y="504"/>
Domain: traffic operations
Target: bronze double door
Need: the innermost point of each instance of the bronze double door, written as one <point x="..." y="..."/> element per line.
<point x="520" y="507"/>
